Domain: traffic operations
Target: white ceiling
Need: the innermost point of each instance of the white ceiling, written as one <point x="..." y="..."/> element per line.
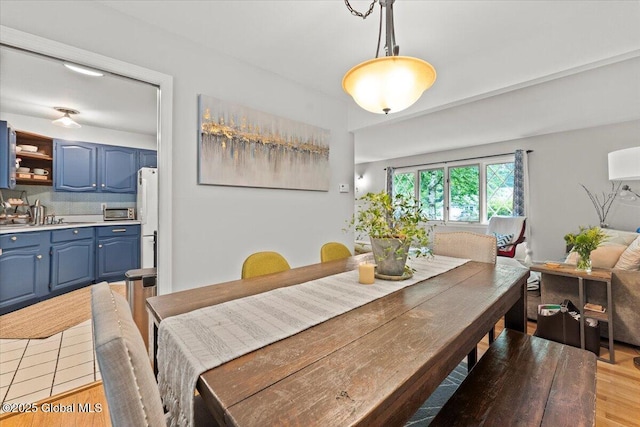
<point x="33" y="85"/>
<point x="506" y="69"/>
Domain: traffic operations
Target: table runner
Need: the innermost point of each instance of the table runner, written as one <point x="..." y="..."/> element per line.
<point x="192" y="343"/>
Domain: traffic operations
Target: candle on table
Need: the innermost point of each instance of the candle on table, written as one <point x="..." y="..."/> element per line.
<point x="366" y="273"/>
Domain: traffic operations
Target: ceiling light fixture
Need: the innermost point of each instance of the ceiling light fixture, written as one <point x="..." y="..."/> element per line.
<point x="83" y="70"/>
<point x="391" y="83"/>
<point x="66" y="121"/>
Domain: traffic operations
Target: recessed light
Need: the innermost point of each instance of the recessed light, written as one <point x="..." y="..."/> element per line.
<point x="83" y="70"/>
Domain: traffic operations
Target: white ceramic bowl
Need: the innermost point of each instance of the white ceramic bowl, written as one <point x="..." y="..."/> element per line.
<point x="29" y="148"/>
<point x="23" y="169"/>
<point x="18" y="149"/>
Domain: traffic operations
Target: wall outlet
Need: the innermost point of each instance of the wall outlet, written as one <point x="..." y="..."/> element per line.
<point x="343" y="188"/>
<point x="103" y="206"/>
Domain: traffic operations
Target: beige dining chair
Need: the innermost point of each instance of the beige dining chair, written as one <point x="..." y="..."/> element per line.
<point x="463" y="244"/>
<point x="127" y="376"/>
<point x="473" y="246"/>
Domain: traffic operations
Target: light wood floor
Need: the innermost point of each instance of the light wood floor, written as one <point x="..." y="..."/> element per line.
<point x="617" y="402"/>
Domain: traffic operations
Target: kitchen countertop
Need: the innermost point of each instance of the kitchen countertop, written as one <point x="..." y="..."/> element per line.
<point x="24" y="228"/>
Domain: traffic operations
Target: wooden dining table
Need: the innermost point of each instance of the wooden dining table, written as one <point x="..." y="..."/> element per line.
<point x="374" y="365"/>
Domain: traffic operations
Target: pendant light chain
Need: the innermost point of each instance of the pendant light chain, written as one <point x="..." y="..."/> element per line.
<point x="360" y="14"/>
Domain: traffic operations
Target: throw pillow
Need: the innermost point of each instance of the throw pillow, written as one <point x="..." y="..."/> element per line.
<point x="620" y="237"/>
<point x="604" y="256"/>
<point x="630" y="258"/>
<point x="503" y="239"/>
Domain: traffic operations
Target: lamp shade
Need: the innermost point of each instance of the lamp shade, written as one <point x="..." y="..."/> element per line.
<point x="66" y="122"/>
<point x="388" y="84"/>
<point x="624" y="165"/>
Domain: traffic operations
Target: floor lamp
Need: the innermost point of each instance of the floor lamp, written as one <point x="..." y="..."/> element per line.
<point x="624" y="165"/>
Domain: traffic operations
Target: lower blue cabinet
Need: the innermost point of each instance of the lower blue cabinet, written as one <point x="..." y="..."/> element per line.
<point x="72" y="258"/>
<point x="38" y="265"/>
<point x="118" y="251"/>
<point x="24" y="269"/>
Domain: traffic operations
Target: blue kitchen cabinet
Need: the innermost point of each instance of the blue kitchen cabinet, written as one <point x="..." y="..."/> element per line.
<point x="117" y="169"/>
<point x="24" y="269"/>
<point x="118" y="250"/>
<point x="75" y="166"/>
<point x="87" y="167"/>
<point x="7" y="156"/>
<point x="72" y="259"/>
<point x="147" y="159"/>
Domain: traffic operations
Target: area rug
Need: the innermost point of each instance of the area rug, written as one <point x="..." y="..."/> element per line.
<point x="445" y="390"/>
<point x="50" y="317"/>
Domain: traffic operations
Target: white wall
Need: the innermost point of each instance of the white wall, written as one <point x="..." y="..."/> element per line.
<point x="214" y="228"/>
<point x="560" y="162"/>
<point x="85" y="133"/>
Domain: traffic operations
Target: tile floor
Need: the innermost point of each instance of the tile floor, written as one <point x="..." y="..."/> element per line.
<point x="34" y="369"/>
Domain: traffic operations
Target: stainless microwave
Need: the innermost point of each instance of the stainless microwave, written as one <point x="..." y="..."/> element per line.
<point x="118" y="214"/>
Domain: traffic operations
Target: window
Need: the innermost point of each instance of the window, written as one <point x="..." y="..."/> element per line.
<point x="432" y="193"/>
<point x="499" y="189"/>
<point x="461" y="192"/>
<point x="464" y="193"/>
<point x="404" y="183"/>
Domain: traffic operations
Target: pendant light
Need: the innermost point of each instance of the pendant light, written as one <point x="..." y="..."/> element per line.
<point x="391" y="83"/>
<point x="66" y="121"/>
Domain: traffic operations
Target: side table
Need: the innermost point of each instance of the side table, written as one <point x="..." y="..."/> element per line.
<point x="598" y="275"/>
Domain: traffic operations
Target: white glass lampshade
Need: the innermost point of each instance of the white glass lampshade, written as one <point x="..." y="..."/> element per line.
<point x="66" y="121"/>
<point x="624" y="165"/>
<point x="388" y="84"/>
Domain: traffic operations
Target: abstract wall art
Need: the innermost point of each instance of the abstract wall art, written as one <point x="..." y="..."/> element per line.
<point x="241" y="146"/>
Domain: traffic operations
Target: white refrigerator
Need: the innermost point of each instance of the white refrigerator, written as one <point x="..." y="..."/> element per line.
<point x="147" y="206"/>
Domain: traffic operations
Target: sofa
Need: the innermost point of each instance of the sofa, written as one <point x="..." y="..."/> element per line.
<point x="624" y="264"/>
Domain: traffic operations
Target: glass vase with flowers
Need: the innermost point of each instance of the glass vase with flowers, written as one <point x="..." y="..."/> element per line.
<point x="584" y="242"/>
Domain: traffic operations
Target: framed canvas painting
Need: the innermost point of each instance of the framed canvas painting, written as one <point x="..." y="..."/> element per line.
<point x="241" y="146"/>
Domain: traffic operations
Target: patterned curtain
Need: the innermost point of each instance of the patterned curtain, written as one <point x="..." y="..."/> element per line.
<point x="521" y="196"/>
<point x="520" y="183"/>
<point x="390" y="181"/>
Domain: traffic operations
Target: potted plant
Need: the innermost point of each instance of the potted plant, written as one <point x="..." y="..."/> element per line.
<point x="585" y="241"/>
<point x="393" y="225"/>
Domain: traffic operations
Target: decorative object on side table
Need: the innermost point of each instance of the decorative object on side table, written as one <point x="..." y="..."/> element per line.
<point x="585" y="241"/>
<point x="603" y="205"/>
<point x="393" y="225"/>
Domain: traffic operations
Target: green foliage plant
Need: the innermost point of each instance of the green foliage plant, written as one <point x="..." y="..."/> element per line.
<point x="586" y="240"/>
<point x="382" y="217"/>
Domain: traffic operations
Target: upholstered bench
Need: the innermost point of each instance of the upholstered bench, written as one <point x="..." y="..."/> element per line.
<point x="525" y="380"/>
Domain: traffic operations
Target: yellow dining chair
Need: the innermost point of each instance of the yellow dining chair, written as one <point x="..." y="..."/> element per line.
<point x="332" y="251"/>
<point x="262" y="263"/>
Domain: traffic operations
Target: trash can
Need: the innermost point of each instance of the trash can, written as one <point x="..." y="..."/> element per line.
<point x="141" y="284"/>
<point x="557" y="324"/>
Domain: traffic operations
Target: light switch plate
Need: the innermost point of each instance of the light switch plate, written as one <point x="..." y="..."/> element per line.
<point x="343" y="188"/>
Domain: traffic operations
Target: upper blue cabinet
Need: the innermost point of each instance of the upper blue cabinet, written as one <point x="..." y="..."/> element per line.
<point x="7" y="156"/>
<point x="86" y="167"/>
<point x="147" y="159"/>
<point x="75" y="166"/>
<point x="117" y="167"/>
